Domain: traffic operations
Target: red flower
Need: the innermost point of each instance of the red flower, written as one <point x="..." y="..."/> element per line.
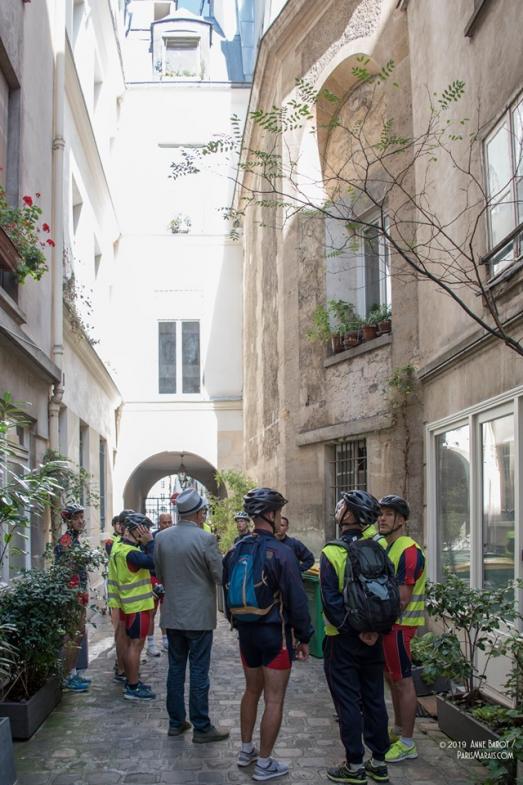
<point x="51" y="243"/>
<point x="46" y="228"/>
<point x="28" y="201"/>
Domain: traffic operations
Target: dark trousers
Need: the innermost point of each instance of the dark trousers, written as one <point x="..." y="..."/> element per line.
<point x="195" y="646"/>
<point x="354" y="673"/>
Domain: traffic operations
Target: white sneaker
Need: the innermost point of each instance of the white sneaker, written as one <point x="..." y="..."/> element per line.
<point x="270" y="772"/>
<point x="246" y="758"/>
<point x="152" y="650"/>
<point x="165" y="645"/>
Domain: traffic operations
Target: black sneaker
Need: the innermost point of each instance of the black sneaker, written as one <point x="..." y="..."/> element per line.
<point x="342" y="773"/>
<point x="377" y="770"/>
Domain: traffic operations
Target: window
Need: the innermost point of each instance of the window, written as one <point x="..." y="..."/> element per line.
<point x="182" y="57"/>
<point x="82" y="454"/>
<point x="358" y="268"/>
<point x="473" y="477"/>
<point x="350" y="467"/>
<point x="179" y="340"/>
<point x="452" y="500"/>
<point x="503" y="157"/>
<point x="101" y="482"/>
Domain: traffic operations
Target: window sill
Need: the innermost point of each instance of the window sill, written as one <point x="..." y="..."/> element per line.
<point x="363" y="348"/>
<point x="11" y="307"/>
<point x="505" y="275"/>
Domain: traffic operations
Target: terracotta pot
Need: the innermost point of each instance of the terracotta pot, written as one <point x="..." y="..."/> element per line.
<point x="369" y="332"/>
<point x="385" y="326"/>
<point x="350" y="340"/>
<point x="336" y="343"/>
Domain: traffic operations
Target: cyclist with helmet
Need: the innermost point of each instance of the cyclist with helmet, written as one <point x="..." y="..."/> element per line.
<point x="266" y="642"/>
<point x="73" y="516"/>
<point x="243" y="524"/>
<point x="304" y="556"/>
<point x="132" y="561"/>
<point x="353" y="661"/>
<point x="409" y="563"/>
<point x="113" y="597"/>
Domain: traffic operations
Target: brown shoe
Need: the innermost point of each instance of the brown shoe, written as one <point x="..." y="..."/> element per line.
<point x="177" y="731"/>
<point x="212" y="734"/>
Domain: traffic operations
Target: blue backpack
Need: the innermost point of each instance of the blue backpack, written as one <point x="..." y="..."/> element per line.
<point x="248" y="595"/>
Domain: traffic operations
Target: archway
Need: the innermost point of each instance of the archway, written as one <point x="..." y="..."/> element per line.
<point x="152" y="469"/>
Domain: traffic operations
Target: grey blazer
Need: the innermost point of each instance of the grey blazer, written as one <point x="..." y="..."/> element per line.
<point x="188" y="563"/>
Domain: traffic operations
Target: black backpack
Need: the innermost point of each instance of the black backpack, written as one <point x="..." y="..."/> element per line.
<point x="370" y="587"/>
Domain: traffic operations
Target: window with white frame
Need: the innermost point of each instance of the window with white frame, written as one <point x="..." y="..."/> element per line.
<point x="472" y="495"/>
<point x="182" y="56"/>
<point x="504" y="169"/>
<point x="179" y="369"/>
<point x="358" y="267"/>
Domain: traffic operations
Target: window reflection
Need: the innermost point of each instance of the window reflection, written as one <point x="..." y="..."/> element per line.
<point x="452" y="498"/>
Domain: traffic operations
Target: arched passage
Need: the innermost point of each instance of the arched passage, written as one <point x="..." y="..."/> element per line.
<point x="152" y="469"/>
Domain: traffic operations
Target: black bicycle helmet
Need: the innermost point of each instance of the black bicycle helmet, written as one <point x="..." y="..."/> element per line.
<point x="135" y="519"/>
<point x="260" y="500"/>
<point x="70" y="510"/>
<point x="123" y="515"/>
<point x="396" y="503"/>
<point x="363" y="505"/>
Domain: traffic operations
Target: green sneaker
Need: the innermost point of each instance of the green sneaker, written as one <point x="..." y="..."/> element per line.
<point x="393" y="737"/>
<point x="399" y="751"/>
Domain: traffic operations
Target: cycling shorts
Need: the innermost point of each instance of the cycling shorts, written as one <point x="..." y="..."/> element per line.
<point x="261" y="645"/>
<point x="396" y="649"/>
<point x="136" y="624"/>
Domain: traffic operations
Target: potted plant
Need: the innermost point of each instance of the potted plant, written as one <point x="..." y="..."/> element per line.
<point x="33" y="688"/>
<point x="320" y="330"/>
<point x="383" y="317"/>
<point x="180" y="224"/>
<point x="23" y="229"/>
<point x="7" y="663"/>
<point x="352" y="336"/>
<point x="470" y="619"/>
<point x="369" y="327"/>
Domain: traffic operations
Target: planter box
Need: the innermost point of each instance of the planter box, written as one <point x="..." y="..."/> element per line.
<point x="7" y="755"/>
<point x="461" y="726"/>
<point x="27" y="716"/>
<point x="423" y="687"/>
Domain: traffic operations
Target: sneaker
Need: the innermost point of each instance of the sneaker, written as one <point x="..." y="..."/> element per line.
<point x="84" y="679"/>
<point x="342" y="773"/>
<point x="377" y="770"/>
<point x="246" y="758"/>
<point x="140" y="693"/>
<point x="393" y="737"/>
<point x="270" y="772"/>
<point x="120" y="678"/>
<point x="165" y="645"/>
<point x="152" y="650"/>
<point x="400" y="751"/>
<point x="177" y="730"/>
<point x="211" y="734"/>
<point x="74" y="684"/>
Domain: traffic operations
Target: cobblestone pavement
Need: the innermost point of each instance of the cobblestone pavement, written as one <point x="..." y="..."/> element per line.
<point x="101" y="739"/>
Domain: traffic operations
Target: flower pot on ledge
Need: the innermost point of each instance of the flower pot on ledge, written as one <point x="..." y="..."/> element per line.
<point x="351" y="339"/>
<point x="385" y="326"/>
<point x="370" y="331"/>
<point x="336" y="343"/>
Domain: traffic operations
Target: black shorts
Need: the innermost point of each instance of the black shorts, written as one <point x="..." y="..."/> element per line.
<point x="261" y="645"/>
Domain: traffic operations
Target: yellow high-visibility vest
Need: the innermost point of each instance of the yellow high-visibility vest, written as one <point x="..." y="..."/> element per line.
<point x="371" y="533"/>
<point x="338" y="558"/>
<point x="134" y="588"/>
<point x="414" y="613"/>
<point x="113" y="595"/>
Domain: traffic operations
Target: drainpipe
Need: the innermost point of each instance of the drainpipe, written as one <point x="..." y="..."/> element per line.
<point x="57" y="265"/>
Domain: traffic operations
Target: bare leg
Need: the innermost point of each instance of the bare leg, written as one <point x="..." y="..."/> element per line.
<point x="115" y="620"/>
<point x="395" y="700"/>
<point x="72" y="645"/>
<point x="132" y="659"/>
<point x="122" y="644"/>
<point x="274" y="687"/>
<point x="405" y="693"/>
<point x="250" y="699"/>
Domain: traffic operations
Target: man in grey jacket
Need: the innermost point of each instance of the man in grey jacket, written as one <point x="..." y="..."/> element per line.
<point x="189" y="565"/>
